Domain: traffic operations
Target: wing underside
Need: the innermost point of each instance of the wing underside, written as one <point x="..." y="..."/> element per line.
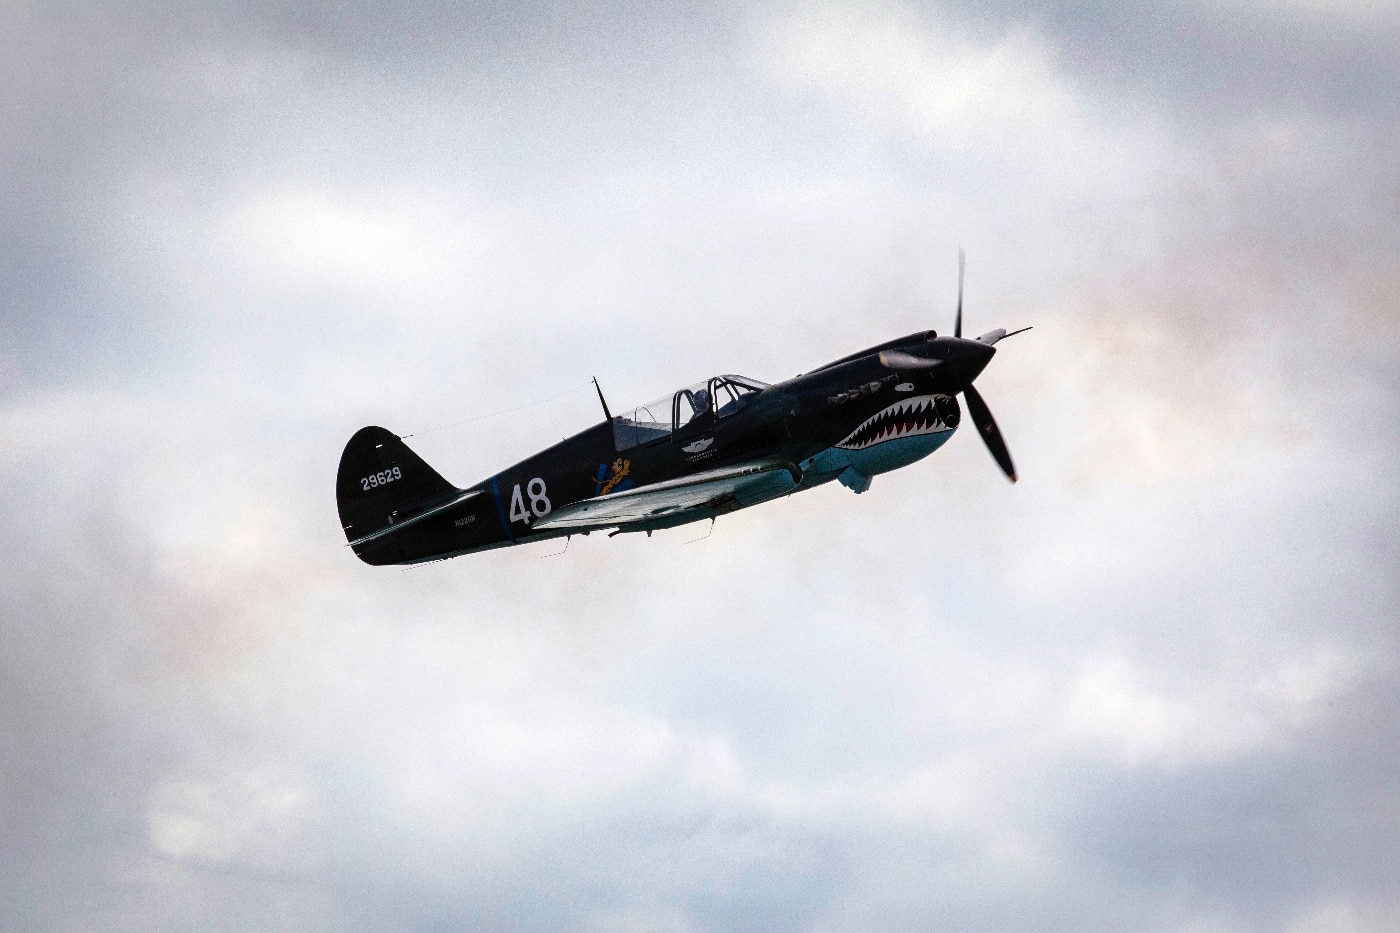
<point x="675" y="501"/>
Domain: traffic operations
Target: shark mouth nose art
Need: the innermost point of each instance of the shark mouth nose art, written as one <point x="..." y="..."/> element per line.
<point x="923" y="414"/>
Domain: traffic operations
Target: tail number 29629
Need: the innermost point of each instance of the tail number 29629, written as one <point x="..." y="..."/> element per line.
<point x="379" y="479"/>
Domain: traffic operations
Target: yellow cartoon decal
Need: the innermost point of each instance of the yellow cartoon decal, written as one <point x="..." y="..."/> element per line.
<point x="615" y="478"/>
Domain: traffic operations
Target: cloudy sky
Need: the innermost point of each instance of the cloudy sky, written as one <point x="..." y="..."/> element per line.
<point x="1154" y="686"/>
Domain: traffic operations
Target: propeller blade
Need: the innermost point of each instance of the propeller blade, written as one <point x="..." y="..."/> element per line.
<point x="987" y="427"/>
<point x="957" y="322"/>
<point x="903" y="362"/>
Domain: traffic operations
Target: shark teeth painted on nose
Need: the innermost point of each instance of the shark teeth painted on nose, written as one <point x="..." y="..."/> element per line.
<point x="906" y="418"/>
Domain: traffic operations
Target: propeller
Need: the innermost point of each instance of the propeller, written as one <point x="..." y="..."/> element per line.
<point x="976" y="407"/>
<point x="957" y="322"/>
<point x="992" y="336"/>
<point x="991" y="435"/>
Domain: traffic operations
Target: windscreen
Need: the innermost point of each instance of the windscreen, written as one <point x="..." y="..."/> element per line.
<point x="643" y="424"/>
<point x="692" y="402"/>
<point x="731" y="394"/>
<point x="654" y="421"/>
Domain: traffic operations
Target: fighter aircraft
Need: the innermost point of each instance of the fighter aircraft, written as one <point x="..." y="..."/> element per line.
<point x="703" y="451"/>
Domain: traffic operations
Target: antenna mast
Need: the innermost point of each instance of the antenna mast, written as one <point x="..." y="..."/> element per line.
<point x="607" y="414"/>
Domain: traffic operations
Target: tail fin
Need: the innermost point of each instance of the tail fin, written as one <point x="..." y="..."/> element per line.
<point x="381" y="482"/>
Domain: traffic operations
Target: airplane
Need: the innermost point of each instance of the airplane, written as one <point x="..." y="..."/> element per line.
<point x="703" y="451"/>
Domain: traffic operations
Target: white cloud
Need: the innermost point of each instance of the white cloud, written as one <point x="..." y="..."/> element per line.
<point x="1344" y="916"/>
<point x="951" y="87"/>
<point x="221" y="820"/>
<point x="1202" y="718"/>
<point x="948" y="703"/>
<point x="311" y="235"/>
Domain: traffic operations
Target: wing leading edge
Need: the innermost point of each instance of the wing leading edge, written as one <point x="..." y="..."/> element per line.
<point x="707" y="494"/>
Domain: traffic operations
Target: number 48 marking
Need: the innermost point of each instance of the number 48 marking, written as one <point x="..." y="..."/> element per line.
<point x="539" y="501"/>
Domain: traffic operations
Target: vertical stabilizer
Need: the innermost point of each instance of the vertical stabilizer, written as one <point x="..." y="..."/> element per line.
<point x="382" y="482"/>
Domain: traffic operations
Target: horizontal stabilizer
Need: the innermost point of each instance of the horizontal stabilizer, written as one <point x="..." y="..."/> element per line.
<point x="418" y="517"/>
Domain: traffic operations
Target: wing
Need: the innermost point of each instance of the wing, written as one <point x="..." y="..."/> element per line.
<point x="701" y="493"/>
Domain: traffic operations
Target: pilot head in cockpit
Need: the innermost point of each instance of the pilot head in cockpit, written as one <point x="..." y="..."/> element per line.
<point x="701" y="401"/>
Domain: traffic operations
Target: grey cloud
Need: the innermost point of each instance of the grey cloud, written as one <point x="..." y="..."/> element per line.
<point x="1314" y="826"/>
<point x="1217" y="62"/>
<point x="1145" y="688"/>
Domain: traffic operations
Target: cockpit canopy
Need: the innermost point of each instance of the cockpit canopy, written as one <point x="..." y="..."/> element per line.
<point x="714" y="398"/>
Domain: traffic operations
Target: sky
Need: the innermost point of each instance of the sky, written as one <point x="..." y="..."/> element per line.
<point x="1153" y="686"/>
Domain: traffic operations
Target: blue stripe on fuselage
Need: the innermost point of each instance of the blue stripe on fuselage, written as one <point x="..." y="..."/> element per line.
<point x="501" y="510"/>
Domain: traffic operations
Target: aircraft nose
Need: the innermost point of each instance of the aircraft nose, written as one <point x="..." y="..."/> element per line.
<point x="976" y="349"/>
<point x="969" y="357"/>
